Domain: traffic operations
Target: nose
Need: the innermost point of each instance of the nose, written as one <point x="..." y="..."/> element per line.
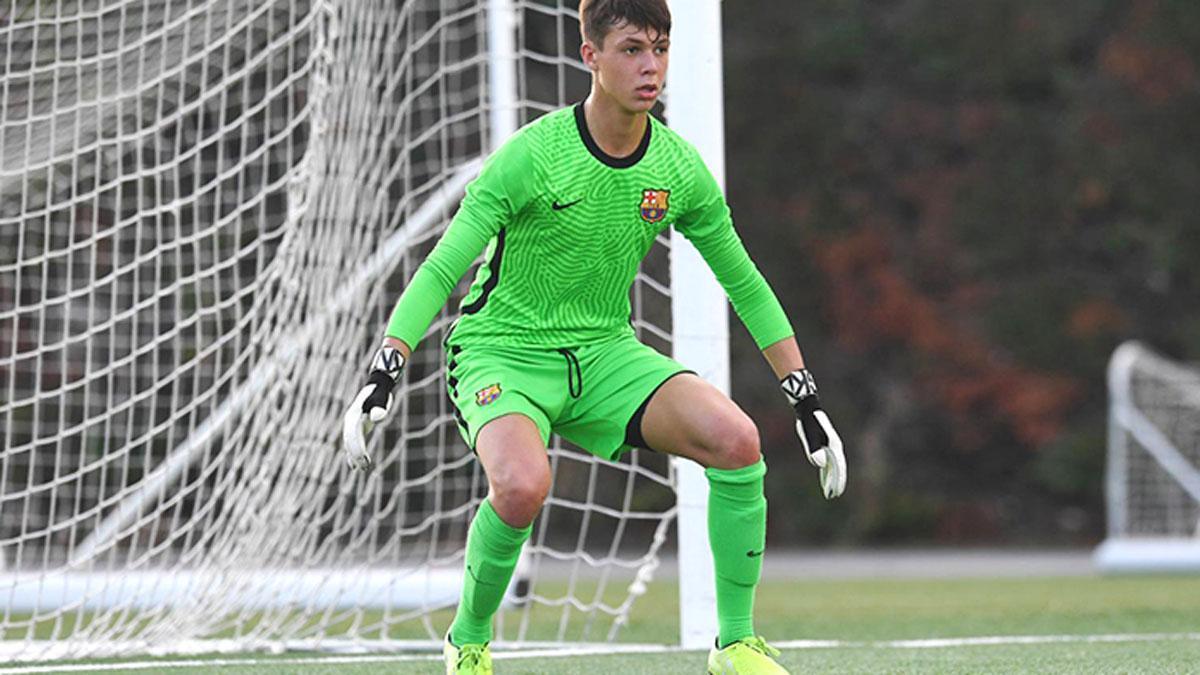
<point x="650" y="64"/>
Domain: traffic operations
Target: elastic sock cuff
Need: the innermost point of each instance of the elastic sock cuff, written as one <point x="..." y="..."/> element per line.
<point x="746" y="474"/>
<point x="498" y="528"/>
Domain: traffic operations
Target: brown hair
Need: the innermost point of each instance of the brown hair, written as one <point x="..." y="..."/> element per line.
<point x="598" y="17"/>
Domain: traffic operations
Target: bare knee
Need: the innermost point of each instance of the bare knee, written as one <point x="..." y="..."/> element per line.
<point x="737" y="444"/>
<point x="517" y="495"/>
<point x="518" y="471"/>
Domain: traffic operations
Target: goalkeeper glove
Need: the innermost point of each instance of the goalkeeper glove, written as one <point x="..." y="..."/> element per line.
<point x="371" y="406"/>
<point x="822" y="445"/>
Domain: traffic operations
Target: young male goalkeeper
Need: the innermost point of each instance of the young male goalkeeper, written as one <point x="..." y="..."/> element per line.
<point x="567" y="209"/>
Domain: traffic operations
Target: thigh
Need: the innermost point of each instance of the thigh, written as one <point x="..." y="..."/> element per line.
<point x="511" y="450"/>
<point x="691" y="418"/>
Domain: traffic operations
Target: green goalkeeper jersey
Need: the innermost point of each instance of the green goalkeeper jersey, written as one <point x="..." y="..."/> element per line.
<point x="565" y="227"/>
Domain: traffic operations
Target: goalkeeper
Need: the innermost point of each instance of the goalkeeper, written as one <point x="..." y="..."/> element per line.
<point x="567" y="208"/>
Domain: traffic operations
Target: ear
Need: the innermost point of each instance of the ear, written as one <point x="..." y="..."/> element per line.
<point x="587" y="52"/>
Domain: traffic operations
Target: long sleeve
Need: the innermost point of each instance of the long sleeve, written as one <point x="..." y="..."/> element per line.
<point x="708" y="225"/>
<point x="491" y="202"/>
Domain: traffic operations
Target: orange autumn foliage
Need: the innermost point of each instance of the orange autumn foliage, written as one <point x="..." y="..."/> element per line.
<point x="1157" y="72"/>
<point x="875" y="305"/>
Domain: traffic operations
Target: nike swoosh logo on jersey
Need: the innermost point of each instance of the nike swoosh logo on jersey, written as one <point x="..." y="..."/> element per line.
<point x="559" y="207"/>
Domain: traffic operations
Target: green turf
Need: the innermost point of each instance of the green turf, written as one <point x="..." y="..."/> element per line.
<point x="878" y="610"/>
<point x="869" y="611"/>
<point x="1086" y="659"/>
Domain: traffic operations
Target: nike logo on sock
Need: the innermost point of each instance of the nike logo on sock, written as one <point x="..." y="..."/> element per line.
<point x="559" y="207"/>
<point x="754" y="554"/>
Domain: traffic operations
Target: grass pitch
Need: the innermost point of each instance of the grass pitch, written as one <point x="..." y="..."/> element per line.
<point x="1061" y="625"/>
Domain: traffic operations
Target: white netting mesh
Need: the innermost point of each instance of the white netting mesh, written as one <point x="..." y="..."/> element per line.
<point x="1156" y="439"/>
<point x="207" y="210"/>
<point x="1155" y="447"/>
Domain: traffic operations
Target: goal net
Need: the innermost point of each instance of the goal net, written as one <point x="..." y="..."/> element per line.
<point x="207" y="211"/>
<point x="1153" y="486"/>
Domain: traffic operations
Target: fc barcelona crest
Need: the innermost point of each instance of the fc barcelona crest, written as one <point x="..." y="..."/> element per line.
<point x="487" y="394"/>
<point x="654" y="205"/>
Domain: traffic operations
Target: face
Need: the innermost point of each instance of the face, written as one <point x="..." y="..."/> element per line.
<point x="632" y="66"/>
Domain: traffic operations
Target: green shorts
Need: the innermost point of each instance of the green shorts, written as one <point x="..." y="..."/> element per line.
<point x="593" y="396"/>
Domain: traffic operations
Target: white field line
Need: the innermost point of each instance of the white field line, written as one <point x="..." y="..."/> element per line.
<point x="598" y="650"/>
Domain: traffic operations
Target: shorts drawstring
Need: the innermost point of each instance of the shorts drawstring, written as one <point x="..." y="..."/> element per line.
<point x="574" y="373"/>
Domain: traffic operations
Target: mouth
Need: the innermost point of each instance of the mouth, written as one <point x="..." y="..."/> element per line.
<point x="647" y="91"/>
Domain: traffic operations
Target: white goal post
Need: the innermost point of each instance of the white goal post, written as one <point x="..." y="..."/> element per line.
<point x="1153" y="484"/>
<point x="207" y="209"/>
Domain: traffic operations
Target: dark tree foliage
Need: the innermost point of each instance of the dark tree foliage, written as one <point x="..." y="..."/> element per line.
<point x="964" y="208"/>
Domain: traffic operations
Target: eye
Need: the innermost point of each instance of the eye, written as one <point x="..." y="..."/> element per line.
<point x="660" y="50"/>
<point x="631" y="50"/>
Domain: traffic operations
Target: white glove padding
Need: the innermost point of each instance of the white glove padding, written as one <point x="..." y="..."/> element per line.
<point x="360" y="418"/>
<point x="822" y="445"/>
<point x="370" y="406"/>
<point x="830" y="459"/>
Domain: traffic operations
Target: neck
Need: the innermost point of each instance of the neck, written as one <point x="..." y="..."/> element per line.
<point x="617" y="131"/>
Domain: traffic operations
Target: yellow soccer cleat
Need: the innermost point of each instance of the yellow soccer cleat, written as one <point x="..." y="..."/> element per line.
<point x="749" y="656"/>
<point x="467" y="659"/>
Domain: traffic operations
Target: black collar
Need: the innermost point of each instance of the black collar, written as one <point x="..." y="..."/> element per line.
<point x="615" y="162"/>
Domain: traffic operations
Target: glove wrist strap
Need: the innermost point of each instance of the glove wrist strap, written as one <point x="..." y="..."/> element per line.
<point x="798" y="386"/>
<point x="389" y="361"/>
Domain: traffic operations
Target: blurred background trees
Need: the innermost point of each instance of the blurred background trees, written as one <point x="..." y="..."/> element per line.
<point x="964" y="208"/>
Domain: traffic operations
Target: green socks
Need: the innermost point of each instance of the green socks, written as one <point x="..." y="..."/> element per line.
<point x="493" y="547"/>
<point x="737" y="532"/>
